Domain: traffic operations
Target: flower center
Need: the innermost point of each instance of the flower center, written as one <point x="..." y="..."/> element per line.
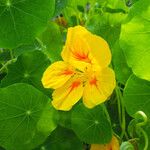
<point x="93" y="81"/>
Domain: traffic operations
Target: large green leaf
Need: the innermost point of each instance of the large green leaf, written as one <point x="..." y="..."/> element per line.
<point x="28" y="68"/>
<point x="22" y="20"/>
<point x="135" y="39"/>
<point x="21" y="108"/>
<point x="91" y="125"/>
<point x="137" y="95"/>
<point x="62" y="139"/>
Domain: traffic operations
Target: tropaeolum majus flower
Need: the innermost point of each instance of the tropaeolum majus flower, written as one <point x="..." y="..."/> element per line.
<point x="83" y="73"/>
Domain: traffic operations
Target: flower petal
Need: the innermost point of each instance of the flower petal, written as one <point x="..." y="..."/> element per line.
<point x="113" y="145"/>
<point x="98" y="88"/>
<point x="57" y="75"/>
<point x="99" y="49"/>
<point x="68" y="95"/>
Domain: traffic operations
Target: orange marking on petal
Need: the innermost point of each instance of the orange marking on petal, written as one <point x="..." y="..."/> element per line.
<point x="67" y="72"/>
<point x="82" y="57"/>
<point x="74" y="85"/>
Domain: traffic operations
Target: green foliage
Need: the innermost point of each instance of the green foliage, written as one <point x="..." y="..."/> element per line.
<point x="52" y="40"/>
<point x="135" y="39"/>
<point x="63" y="139"/>
<point x="126" y="146"/>
<point x="28" y="68"/>
<point x="137" y="95"/>
<point x="119" y="63"/>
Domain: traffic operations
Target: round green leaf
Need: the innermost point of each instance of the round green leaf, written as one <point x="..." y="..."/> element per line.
<point x="135" y="39"/>
<point x="137" y="96"/>
<point x="91" y="125"/>
<point x="21" y="108"/>
<point x="22" y="20"/>
<point x="62" y="139"/>
<point x="28" y="68"/>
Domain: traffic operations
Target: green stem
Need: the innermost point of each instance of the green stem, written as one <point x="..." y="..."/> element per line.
<point x="11" y="54"/>
<point x="144" y="117"/>
<point x="139" y="127"/>
<point x="119" y="105"/>
<point x="121" y="111"/>
<point x="43" y="47"/>
<point x="6" y="64"/>
<point x="145" y="138"/>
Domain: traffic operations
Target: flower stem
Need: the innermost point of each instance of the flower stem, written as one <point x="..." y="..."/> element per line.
<point x="121" y="111"/>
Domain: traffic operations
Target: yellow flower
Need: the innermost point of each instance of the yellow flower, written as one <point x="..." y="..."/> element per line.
<point x="84" y="71"/>
<point x="113" y="145"/>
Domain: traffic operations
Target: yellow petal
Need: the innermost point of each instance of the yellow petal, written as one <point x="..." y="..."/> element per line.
<point x="113" y="145"/>
<point x="83" y="48"/>
<point x="99" y="87"/>
<point x="68" y="95"/>
<point x="99" y="49"/>
<point x="75" y="32"/>
<point x="57" y="75"/>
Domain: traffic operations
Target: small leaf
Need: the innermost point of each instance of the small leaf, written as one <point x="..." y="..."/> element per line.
<point x="126" y="146"/>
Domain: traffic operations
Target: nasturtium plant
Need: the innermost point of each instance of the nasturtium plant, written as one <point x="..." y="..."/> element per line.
<point x="74" y="74"/>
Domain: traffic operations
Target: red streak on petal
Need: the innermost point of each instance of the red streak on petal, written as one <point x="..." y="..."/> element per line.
<point x="74" y="85"/>
<point x="82" y="57"/>
<point x="68" y="72"/>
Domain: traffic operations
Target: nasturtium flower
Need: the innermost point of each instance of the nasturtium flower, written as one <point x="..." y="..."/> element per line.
<point x="83" y="73"/>
<point x="113" y="145"/>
